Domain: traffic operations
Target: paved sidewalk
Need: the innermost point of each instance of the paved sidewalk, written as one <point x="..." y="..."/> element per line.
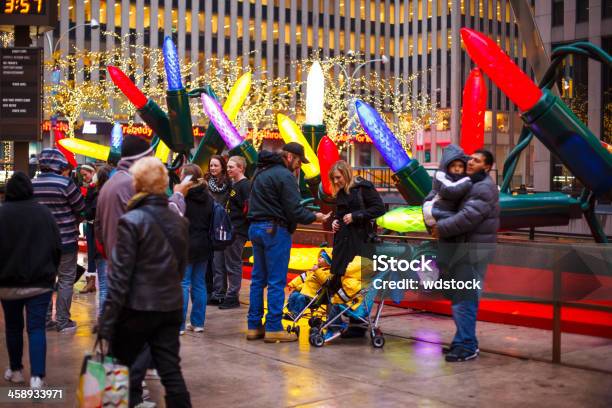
<point x="222" y="369"/>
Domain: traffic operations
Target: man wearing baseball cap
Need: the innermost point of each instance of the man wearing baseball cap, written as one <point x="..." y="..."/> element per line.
<point x="65" y="201"/>
<point x="275" y="211"/>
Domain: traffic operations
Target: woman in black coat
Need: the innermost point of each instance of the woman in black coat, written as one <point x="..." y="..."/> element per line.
<point x="357" y="205"/>
<point x="199" y="206"/>
<point x="30" y="250"/>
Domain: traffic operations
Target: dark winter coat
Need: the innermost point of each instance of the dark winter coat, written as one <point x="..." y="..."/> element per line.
<point x="148" y="265"/>
<point x="365" y="204"/>
<point x="239" y="194"/>
<point x="478" y="216"/>
<point x="275" y="195"/>
<point x="199" y="213"/>
<point x="447" y="189"/>
<point x="30" y="245"/>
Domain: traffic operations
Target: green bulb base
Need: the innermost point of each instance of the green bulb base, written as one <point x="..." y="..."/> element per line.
<point x="413" y="183"/>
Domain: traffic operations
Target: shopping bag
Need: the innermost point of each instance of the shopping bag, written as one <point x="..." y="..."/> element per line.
<point x="91" y="383"/>
<point x="117" y="384"/>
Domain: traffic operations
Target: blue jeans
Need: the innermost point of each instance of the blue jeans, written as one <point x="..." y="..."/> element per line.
<point x="271" y="249"/>
<point x="464" y="315"/>
<point x="465" y="305"/>
<point x="102" y="284"/>
<point x="194" y="281"/>
<point x="36" y="311"/>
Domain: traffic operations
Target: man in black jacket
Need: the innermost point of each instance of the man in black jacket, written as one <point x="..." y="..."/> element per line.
<point x="274" y="212"/>
<point x="476" y="223"/>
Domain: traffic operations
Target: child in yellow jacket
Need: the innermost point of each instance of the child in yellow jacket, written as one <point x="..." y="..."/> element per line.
<point x="306" y="285"/>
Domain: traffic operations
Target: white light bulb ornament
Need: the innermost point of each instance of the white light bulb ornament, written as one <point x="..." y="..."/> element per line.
<point x="315" y="95"/>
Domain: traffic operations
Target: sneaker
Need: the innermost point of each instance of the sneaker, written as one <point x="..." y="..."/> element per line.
<point x="459" y="354"/>
<point x="229" y="303"/>
<point x="152" y="374"/>
<point x="181" y="332"/>
<point x="146" y="404"/>
<point x="51" y="325"/>
<point x="446" y="350"/>
<point x="36" y="383"/>
<point x="256" y="334"/>
<point x="14" y="376"/>
<point x="335" y="331"/>
<point x="279" y="337"/>
<point x="68" y="327"/>
<point x="197" y="329"/>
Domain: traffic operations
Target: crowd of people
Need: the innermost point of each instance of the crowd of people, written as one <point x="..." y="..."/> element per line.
<point x="154" y="248"/>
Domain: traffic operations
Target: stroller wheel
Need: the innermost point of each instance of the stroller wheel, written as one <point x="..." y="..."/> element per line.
<point x="378" y="341"/>
<point x="313" y="330"/>
<point x="296" y="330"/>
<point x="316" y="340"/>
<point x="314" y="321"/>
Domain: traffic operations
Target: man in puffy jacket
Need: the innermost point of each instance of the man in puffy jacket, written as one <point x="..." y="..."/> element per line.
<point x="476" y="223"/>
<point x="274" y="212"/>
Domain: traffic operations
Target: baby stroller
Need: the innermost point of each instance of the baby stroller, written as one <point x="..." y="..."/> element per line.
<point x="357" y="308"/>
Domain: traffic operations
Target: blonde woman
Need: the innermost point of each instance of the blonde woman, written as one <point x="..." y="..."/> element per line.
<point x="357" y="204"/>
<point x="145" y="298"/>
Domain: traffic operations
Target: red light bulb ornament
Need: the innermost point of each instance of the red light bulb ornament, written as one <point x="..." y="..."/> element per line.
<point x="548" y="118"/>
<point x="148" y="110"/>
<point x="498" y="66"/>
<point x="472" y="118"/>
<point x="131" y="91"/>
<point x="59" y="135"/>
<point x="328" y="156"/>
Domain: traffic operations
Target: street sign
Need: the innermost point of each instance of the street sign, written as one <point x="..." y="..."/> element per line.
<point x="21" y="79"/>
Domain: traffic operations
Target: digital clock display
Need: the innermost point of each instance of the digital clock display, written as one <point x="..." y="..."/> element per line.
<point x="23" y="7"/>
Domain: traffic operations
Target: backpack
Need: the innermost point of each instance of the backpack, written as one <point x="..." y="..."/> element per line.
<point x="221" y="232"/>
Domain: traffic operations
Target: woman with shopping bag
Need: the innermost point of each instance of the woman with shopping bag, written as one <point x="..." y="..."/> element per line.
<point x="145" y="299"/>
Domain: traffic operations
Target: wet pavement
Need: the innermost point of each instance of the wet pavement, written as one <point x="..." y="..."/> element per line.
<point x="223" y="369"/>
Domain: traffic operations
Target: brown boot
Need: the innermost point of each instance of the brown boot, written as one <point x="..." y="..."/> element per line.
<point x="279" y="337"/>
<point x="256" y="334"/>
<point x="90" y="285"/>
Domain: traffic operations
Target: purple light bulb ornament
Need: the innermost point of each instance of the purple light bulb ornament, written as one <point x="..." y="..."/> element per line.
<point x="219" y="119"/>
<point x="389" y="147"/>
<point x="172" y="65"/>
<point x="410" y="177"/>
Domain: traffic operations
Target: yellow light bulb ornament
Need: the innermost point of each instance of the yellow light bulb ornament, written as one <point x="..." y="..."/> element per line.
<point x="85" y="148"/>
<point x="237" y="96"/>
<point x="162" y="151"/>
<point x="291" y="132"/>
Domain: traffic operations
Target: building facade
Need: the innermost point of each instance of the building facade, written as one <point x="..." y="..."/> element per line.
<point x="416" y="36"/>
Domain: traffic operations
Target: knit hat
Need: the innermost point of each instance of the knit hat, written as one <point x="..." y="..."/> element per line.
<point x="19" y="187"/>
<point x="134" y="147"/>
<point x="323" y="254"/>
<point x="52" y="159"/>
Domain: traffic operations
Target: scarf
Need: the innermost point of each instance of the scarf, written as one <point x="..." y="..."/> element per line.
<point x="215" y="188"/>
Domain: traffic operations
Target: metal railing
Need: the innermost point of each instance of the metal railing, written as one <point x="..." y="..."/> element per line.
<point x="381" y="177"/>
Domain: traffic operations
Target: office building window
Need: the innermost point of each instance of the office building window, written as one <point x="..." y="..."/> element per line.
<point x="606" y="8"/>
<point x="582" y="11"/>
<point x="557" y="13"/>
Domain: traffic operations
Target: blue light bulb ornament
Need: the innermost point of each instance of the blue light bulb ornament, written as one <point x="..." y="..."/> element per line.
<point x="410" y="177"/>
<point x="172" y="65"/>
<point x="117" y="136"/>
<point x="389" y="147"/>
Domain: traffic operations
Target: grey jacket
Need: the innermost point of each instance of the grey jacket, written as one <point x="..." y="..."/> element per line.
<point x="447" y="190"/>
<point x="112" y="204"/>
<point x="478" y="216"/>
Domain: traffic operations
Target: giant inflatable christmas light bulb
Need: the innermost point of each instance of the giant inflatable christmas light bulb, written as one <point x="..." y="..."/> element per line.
<point x="147" y="109"/>
<point x="328" y="156"/>
<point x="410" y="177"/>
<point x="548" y="118"/>
<point x="236" y="144"/>
<point x="314" y="128"/>
<point x="291" y="132"/>
<point x="212" y="143"/>
<point x="117" y="136"/>
<point x="86" y="148"/>
<point x="177" y="101"/>
<point x="403" y="219"/>
<point x="473" y="116"/>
